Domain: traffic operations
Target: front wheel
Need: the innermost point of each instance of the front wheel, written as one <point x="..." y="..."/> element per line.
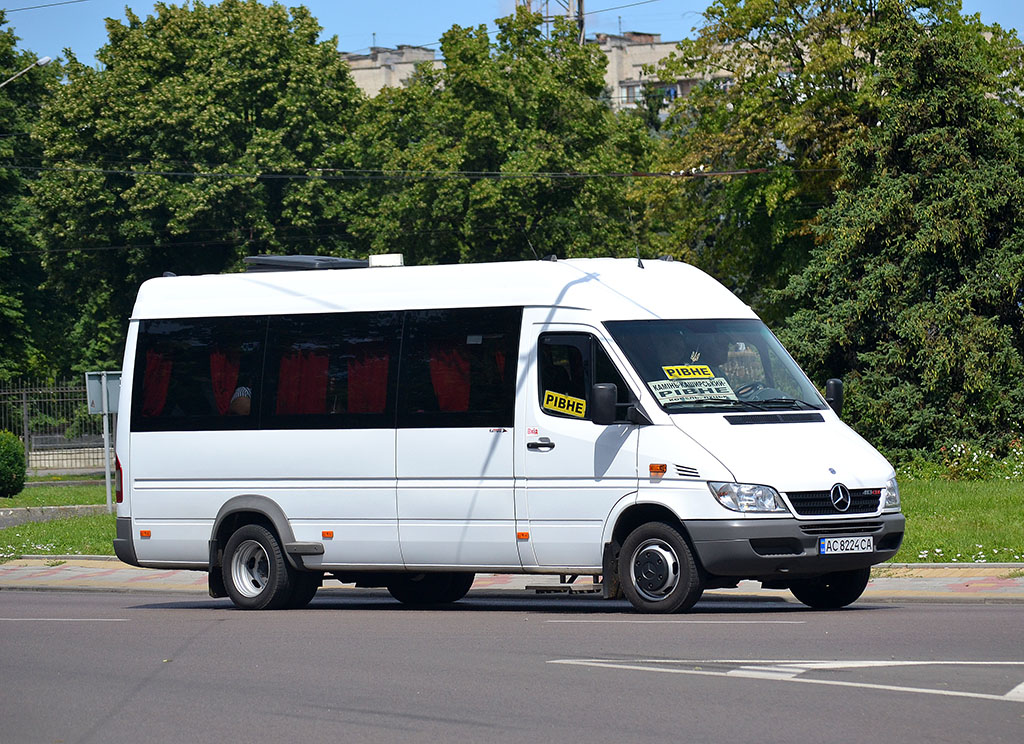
<point x="431" y="588"/>
<point x="657" y="571"/>
<point x="833" y="590"/>
<point x="257" y="575"/>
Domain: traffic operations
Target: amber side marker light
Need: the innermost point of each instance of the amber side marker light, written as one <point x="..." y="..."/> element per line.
<point x="658" y="469"/>
<point x="522" y="536"/>
<point x="327" y="534"/>
<point x="145" y="533"/>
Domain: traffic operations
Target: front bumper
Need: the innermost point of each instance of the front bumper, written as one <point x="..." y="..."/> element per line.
<point x="773" y="549"/>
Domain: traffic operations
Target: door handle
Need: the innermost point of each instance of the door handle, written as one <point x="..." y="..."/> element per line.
<point x="541" y="444"/>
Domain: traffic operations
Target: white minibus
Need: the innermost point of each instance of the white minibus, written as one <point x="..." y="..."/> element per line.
<point x="410" y="427"/>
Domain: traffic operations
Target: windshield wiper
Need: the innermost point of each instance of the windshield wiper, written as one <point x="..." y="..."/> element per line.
<point x="787" y="403"/>
<point x="745" y="405"/>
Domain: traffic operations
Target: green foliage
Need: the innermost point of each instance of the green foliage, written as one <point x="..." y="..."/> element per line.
<point x="782" y="87"/>
<point x="178" y="155"/>
<point x="12" y="465"/>
<point x="914" y="292"/>
<point x="21" y="305"/>
<point x="458" y="143"/>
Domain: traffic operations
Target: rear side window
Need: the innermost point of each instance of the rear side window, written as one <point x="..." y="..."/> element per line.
<point x="331" y="371"/>
<point x="197" y="373"/>
<point x="458" y="368"/>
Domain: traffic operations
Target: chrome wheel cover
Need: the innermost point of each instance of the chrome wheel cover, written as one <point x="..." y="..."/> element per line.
<point x="654" y="570"/>
<point x="250" y="568"/>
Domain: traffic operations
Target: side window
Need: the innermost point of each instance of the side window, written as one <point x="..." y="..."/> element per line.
<point x="197" y="373"/>
<point x="569" y="365"/>
<point x="459" y="367"/>
<point x="331" y="371"/>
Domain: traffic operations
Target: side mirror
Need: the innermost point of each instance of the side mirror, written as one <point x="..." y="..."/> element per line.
<point x="603" y="397"/>
<point x="834" y="395"/>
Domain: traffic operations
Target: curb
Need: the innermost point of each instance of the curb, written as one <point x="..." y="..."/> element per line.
<point x="21" y="515"/>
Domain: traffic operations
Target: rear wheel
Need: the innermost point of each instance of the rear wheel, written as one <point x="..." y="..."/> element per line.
<point x="256" y="575"/>
<point x="431" y="588"/>
<point x="657" y="571"/>
<point x="832" y="591"/>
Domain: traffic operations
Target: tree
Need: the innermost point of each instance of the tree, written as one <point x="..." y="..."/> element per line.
<point x="20" y="270"/>
<point x="208" y="134"/>
<point x="454" y="160"/>
<point x="914" y="292"/>
<point x="783" y="90"/>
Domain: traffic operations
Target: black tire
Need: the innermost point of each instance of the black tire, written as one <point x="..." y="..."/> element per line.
<point x="304" y="587"/>
<point x="431" y="588"/>
<point x="256" y="574"/>
<point x="657" y="571"/>
<point x="833" y="590"/>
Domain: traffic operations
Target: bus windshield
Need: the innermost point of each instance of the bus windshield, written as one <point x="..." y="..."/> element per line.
<point x="709" y="365"/>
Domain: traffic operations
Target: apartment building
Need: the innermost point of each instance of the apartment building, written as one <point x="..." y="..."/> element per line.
<point x="627" y="54"/>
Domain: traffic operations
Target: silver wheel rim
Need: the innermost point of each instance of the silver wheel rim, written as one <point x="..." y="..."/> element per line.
<point x="250" y="568"/>
<point x="654" y="570"/>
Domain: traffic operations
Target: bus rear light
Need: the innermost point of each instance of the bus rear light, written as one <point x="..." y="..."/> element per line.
<point x="118" y="481"/>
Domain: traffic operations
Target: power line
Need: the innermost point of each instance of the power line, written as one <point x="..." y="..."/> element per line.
<point x="46" y="5"/>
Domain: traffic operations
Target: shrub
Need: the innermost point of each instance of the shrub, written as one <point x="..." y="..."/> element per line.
<point x="12" y="465"/>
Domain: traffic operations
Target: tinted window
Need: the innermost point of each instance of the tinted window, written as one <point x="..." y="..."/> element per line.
<point x="569" y="365"/>
<point x="458" y="367"/>
<point x="197" y="373"/>
<point x="331" y="371"/>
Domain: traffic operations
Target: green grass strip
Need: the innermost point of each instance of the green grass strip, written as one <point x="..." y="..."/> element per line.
<point x="89" y="535"/>
<point x="947" y="522"/>
<point x="57" y="496"/>
<point x="962" y="522"/>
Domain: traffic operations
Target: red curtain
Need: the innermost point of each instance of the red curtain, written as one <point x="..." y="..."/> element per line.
<point x="449" y="374"/>
<point x="155" y="383"/>
<point x="368" y="379"/>
<point x="302" y="384"/>
<point x="224" y="375"/>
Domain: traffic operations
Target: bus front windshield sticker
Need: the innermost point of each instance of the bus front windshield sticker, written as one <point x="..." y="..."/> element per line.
<point x="688" y="372"/>
<point x="691" y="391"/>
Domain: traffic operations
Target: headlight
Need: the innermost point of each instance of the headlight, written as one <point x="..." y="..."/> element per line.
<point x="891" y="492"/>
<point x="744" y="497"/>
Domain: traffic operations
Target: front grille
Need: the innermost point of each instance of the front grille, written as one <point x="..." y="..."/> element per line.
<point x="825" y="529"/>
<point x="815" y="503"/>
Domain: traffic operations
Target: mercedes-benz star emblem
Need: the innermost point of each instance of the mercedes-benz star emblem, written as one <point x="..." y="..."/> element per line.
<point x="840" y="497"/>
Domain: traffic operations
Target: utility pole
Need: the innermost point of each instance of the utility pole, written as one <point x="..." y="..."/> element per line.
<point x="573" y="10"/>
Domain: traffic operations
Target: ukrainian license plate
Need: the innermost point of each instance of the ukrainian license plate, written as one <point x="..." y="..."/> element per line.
<point x="836" y="545"/>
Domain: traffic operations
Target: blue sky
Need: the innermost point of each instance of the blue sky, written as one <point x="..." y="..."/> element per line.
<point x="46" y="27"/>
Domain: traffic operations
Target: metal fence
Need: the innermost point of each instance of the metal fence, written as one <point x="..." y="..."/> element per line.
<point x="54" y="423"/>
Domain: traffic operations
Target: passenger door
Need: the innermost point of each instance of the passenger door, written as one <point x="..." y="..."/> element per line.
<point x="455" y="438"/>
<point x="576" y="471"/>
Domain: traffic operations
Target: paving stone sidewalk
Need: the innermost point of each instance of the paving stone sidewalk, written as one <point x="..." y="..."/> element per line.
<point x="890" y="582"/>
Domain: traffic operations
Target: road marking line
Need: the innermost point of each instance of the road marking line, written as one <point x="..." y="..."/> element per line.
<point x="642" y="665"/>
<point x="685" y="622"/>
<point x="64" y="619"/>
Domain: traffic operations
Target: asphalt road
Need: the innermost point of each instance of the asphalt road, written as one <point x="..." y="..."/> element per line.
<point x="358" y="667"/>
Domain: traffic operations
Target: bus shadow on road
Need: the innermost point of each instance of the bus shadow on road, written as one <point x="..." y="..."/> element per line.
<point x="357" y="600"/>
